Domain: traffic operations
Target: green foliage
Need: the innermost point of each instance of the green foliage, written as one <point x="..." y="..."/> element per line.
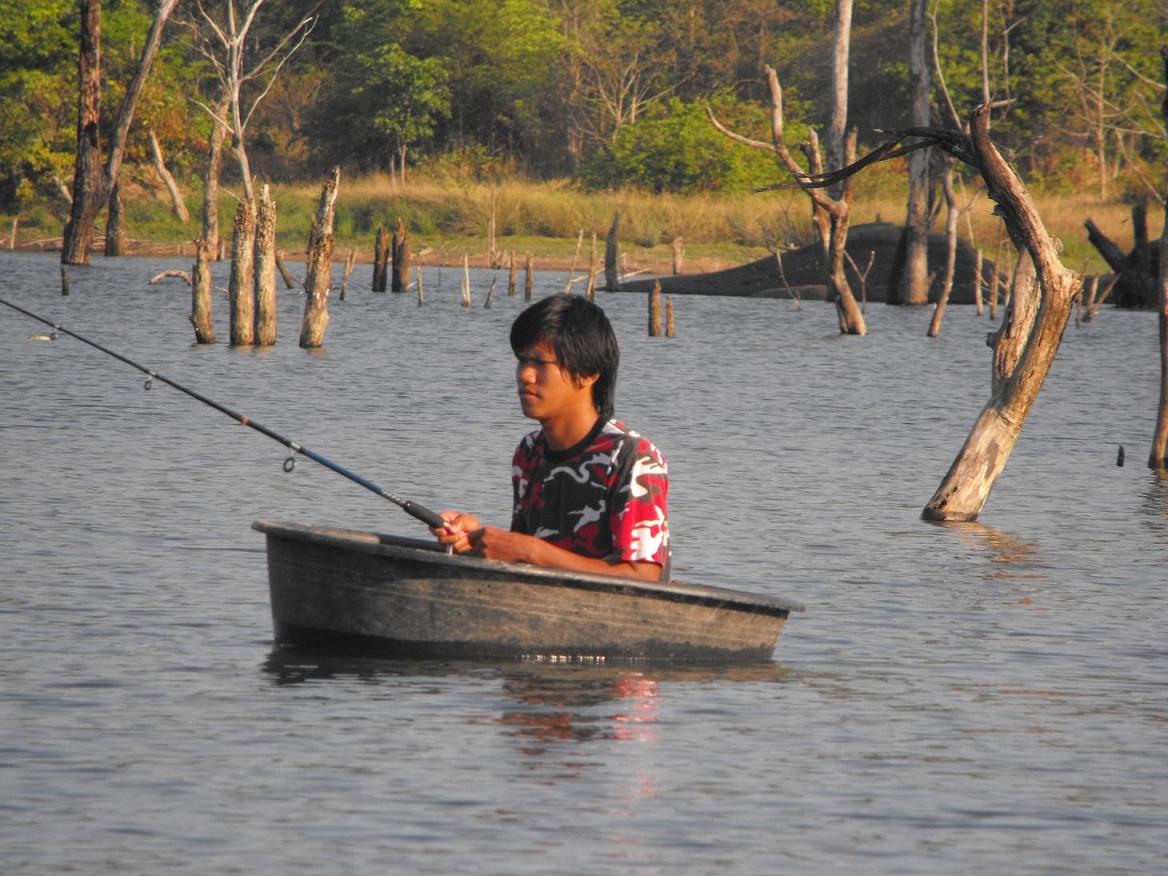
<point x="407" y="96"/>
<point x="677" y="149"/>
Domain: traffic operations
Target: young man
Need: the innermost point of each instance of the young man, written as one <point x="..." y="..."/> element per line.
<point x="589" y="494"/>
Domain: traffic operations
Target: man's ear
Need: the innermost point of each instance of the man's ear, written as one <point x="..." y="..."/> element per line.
<point x="587" y="381"/>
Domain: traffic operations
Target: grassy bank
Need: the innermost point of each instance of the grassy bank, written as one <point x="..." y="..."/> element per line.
<point x="451" y="217"/>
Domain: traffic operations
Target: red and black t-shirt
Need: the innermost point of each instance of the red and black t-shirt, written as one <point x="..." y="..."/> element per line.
<point x="606" y="497"/>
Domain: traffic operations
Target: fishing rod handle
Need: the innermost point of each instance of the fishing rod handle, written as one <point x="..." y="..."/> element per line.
<point x="423" y="513"/>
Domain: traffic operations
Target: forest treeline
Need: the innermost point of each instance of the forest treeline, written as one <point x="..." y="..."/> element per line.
<point x="606" y="92"/>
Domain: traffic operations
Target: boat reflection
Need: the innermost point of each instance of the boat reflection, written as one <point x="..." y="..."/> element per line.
<point x="547" y="703"/>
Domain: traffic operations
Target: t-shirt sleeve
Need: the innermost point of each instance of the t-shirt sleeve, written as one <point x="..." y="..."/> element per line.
<point x="640" y="523"/>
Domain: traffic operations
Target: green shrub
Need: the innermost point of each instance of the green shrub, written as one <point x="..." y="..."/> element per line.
<point x="678" y="150"/>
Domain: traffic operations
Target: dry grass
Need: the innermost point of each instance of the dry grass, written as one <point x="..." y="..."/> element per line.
<point x="545" y="218"/>
<point x="452" y="217"/>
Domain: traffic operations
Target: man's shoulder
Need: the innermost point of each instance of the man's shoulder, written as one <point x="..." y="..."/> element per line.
<point x="618" y="428"/>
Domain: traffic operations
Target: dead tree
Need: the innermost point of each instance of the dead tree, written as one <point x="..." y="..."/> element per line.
<point x="837" y="209"/>
<point x="225" y="45"/>
<point x="92" y="181"/>
<point x="265" y="270"/>
<point x="611" y="256"/>
<point x="242" y="285"/>
<point x="1023" y="353"/>
<point x="164" y="174"/>
<point x="1158" y="458"/>
<point x="1137" y="271"/>
<point x="319" y="267"/>
<point x="201" y="294"/>
<point x="399" y="275"/>
<point x="211" y="173"/>
<point x="912" y="286"/>
<point x="1026" y="344"/>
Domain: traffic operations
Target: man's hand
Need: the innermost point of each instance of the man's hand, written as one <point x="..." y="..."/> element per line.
<point x="457" y="531"/>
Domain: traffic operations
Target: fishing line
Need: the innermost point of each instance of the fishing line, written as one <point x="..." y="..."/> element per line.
<point x="412" y="508"/>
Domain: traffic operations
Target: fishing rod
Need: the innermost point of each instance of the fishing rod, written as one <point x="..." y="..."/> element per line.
<point x="412" y="508"/>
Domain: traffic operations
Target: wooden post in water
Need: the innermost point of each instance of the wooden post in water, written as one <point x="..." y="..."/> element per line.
<point x="289" y="280"/>
<point x="349" y="262"/>
<point x="511" y="277"/>
<point x="319" y="267"/>
<point x="677" y="255"/>
<point x="490" y="293"/>
<point x="241" y="288"/>
<point x="655" y="311"/>
<point x="201" y="293"/>
<point x="64" y="281"/>
<point x="265" y="270"/>
<point x="401" y="258"/>
<point x="421" y="285"/>
<point x="12" y="238"/>
<point x="611" y="277"/>
<point x="465" y="280"/>
<point x="381" y="259"/>
<point x="669" y="327"/>
<point x="528" y="282"/>
<point x="590" y="289"/>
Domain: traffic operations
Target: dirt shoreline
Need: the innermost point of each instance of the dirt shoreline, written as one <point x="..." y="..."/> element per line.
<point x="636" y="260"/>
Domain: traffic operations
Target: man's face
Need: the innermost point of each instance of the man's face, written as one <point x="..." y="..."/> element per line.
<point x="546" y="390"/>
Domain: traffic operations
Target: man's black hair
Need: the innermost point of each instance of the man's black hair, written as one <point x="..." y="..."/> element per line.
<point x="582" y="338"/>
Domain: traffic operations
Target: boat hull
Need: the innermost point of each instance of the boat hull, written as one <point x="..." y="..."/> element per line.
<point x="401" y="596"/>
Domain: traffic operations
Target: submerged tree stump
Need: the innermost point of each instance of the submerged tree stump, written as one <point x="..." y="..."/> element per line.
<point x="655" y="311"/>
<point x="265" y="270"/>
<point x="611" y="257"/>
<point x="241" y="289"/>
<point x="1137" y="271"/>
<point x="381" y="259"/>
<point x="319" y="267"/>
<point x="400" y="279"/>
<point x="201" y="293"/>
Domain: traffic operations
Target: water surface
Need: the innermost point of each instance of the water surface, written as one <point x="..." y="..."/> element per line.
<point x="978" y="698"/>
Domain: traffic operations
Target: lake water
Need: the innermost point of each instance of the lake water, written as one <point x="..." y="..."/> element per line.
<point x="969" y="699"/>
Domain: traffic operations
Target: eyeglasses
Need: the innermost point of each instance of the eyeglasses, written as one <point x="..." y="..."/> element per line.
<point x="522" y="362"/>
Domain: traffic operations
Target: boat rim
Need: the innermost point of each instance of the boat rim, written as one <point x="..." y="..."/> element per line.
<point x="383" y="544"/>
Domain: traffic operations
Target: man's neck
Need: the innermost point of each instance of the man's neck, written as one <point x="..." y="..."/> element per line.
<point x="561" y="434"/>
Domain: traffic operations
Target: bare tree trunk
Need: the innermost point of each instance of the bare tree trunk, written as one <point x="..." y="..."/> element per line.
<point x="176" y="198"/>
<point x="950" y="249"/>
<point x="966" y="487"/>
<point x="89" y="191"/>
<point x="611" y="260"/>
<point x="201" y="294"/>
<point x="241" y="290"/>
<point x="400" y="274"/>
<point x="913" y="286"/>
<point x="265" y="269"/>
<point x="92" y="182"/>
<point x="381" y="259"/>
<point x="841" y="49"/>
<point x="319" y="268"/>
<point x="115" y="232"/>
<point x="211" y="182"/>
<point x="1158" y="458"/>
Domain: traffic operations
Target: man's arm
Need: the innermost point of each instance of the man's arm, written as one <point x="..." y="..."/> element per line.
<point x="466" y="535"/>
